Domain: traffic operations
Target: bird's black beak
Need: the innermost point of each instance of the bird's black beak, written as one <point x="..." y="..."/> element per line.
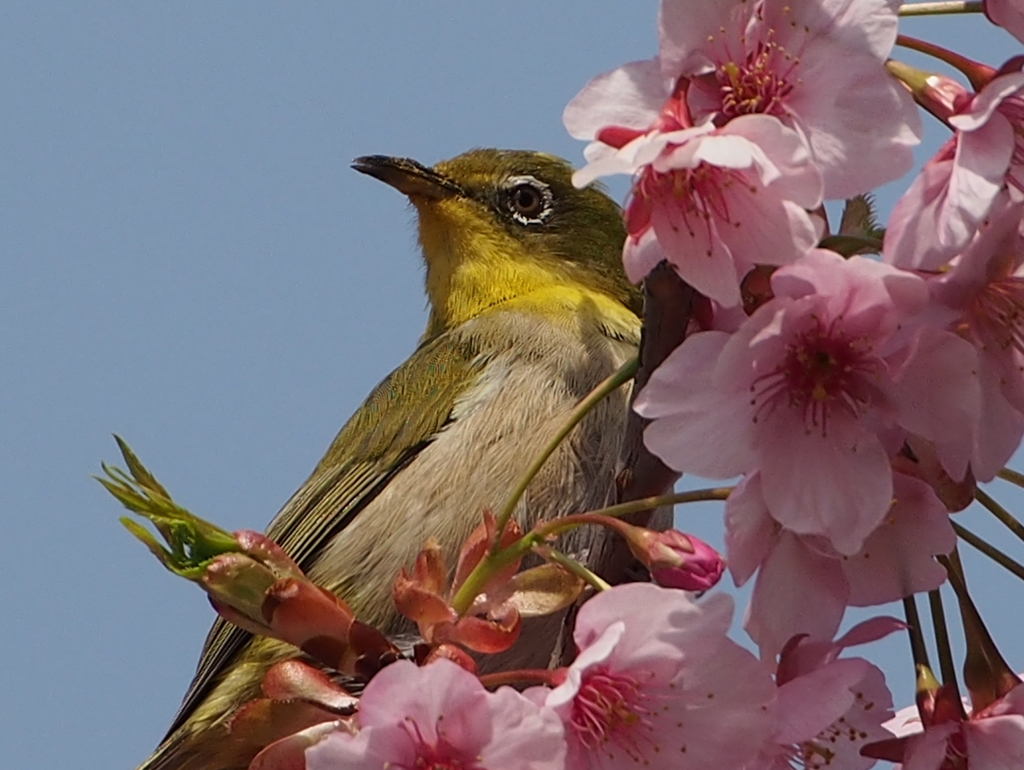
<point x="408" y="177"/>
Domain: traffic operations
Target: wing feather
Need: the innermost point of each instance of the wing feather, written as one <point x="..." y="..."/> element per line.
<point x="377" y="442"/>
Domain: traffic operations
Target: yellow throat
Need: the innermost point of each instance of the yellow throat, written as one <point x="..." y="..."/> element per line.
<point x="500" y="227"/>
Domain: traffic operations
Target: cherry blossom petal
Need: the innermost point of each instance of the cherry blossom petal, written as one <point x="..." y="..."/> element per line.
<point x="441" y="715"/>
<point x="938" y="396"/>
<point x="996" y="743"/>
<point x="698" y="430"/>
<point x="898" y="558"/>
<point x="629" y="96"/>
<point x="1000" y="426"/>
<point x="726" y="717"/>
<point x="657" y="679"/>
<point x="797" y="591"/>
<point x="1008" y="14"/>
<point x="944" y="205"/>
<point x="810" y="703"/>
<point x="749" y="530"/>
<point x="687" y="626"/>
<point x="641" y="256"/>
<point x="861" y="124"/>
<point x="837" y="485"/>
<point x="684" y="27"/>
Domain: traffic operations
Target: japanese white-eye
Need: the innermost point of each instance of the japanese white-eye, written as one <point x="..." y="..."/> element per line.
<point x="529" y="310"/>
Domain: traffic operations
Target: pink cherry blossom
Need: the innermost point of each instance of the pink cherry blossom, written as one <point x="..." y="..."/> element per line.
<point x="990" y="739"/>
<point x="1008" y="14"/>
<point x="957" y="189"/>
<point x="803" y="585"/>
<point x="984" y="293"/>
<point x="828" y="707"/>
<point x="778" y="57"/>
<point x="658" y="684"/>
<point x="816" y="391"/>
<point x="718" y="200"/>
<point x="440" y="716"/>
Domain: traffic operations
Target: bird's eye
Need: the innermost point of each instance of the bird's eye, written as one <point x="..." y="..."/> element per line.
<point x="528" y="200"/>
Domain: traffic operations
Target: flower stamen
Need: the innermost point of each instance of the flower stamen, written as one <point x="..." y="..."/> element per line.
<point x="823" y="370"/>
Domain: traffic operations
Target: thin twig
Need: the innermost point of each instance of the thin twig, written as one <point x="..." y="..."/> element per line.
<point x="1005" y="517"/>
<point x="657" y="501"/>
<point x="1014" y="477"/>
<point x="989" y="550"/>
<point x="932" y="9"/>
<point x="917" y="646"/>
<point x="574" y="567"/>
<point x="942" y="638"/>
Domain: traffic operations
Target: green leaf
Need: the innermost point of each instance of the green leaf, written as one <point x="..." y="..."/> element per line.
<point x="859" y="231"/>
<point x="191" y="541"/>
<point x="849" y="245"/>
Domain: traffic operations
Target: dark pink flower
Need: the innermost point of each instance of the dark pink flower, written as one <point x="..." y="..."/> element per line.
<point x="718" y="200"/>
<point x="675" y="560"/>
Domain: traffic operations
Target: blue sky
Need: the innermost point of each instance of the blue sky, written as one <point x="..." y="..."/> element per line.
<point x="187" y="260"/>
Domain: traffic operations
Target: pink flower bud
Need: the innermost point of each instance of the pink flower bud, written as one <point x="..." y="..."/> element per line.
<point x="676" y="560"/>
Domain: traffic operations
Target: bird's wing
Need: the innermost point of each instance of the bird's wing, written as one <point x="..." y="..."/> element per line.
<point x="375" y="444"/>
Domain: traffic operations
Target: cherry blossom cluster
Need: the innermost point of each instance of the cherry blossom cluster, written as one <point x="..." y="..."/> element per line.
<point x="858" y="399"/>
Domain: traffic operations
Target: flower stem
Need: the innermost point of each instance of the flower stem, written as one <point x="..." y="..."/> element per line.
<point x="933" y="9"/>
<point x="987" y="676"/>
<point x="1014" y="477"/>
<point x="634" y="506"/>
<point x="977" y="74"/>
<point x="494" y="561"/>
<point x="942" y="638"/>
<point x="547" y="676"/>
<point x="624" y="374"/>
<point x="917" y="647"/>
<point x="989" y="550"/>
<point x="1008" y="519"/>
<point x="577" y="569"/>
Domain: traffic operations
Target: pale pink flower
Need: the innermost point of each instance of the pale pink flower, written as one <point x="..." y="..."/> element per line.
<point x="828" y="707"/>
<point x="991" y="739"/>
<point x="816" y="391"/>
<point x="658" y="684"/>
<point x="817" y="65"/>
<point x="959" y="187"/>
<point x="804" y="585"/>
<point x="984" y="293"/>
<point x="1008" y="14"/>
<point x="440" y="716"/>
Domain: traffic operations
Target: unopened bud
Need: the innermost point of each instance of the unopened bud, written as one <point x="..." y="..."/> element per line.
<point x="238" y="581"/>
<point x="676" y="560"/>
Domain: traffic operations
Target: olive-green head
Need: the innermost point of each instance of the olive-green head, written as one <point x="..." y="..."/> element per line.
<point x="508" y="225"/>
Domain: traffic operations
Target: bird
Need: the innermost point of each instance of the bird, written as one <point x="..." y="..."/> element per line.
<point x="529" y="309"/>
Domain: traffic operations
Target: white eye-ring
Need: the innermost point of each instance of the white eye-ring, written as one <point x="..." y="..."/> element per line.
<point x="529" y="200"/>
